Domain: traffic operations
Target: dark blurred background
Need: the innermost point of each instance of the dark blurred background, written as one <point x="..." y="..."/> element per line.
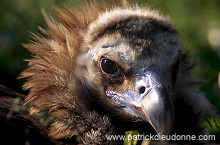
<point x="198" y="23"/>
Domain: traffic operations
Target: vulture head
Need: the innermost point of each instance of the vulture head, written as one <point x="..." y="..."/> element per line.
<point x="109" y="67"/>
<point x="131" y="63"/>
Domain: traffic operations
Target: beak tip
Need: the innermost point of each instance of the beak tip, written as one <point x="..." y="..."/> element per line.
<point x="160" y="112"/>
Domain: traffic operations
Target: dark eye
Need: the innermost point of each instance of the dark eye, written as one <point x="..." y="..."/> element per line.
<point x="108" y="66"/>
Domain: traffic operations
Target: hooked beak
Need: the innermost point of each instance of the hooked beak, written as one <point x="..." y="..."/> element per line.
<point x="157" y="107"/>
<point x="151" y="100"/>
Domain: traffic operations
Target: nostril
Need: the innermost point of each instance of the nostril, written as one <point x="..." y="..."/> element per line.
<point x="142" y="90"/>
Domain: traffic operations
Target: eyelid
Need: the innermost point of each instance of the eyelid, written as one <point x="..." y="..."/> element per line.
<point x="120" y="71"/>
<point x="119" y="60"/>
<point x="108" y="57"/>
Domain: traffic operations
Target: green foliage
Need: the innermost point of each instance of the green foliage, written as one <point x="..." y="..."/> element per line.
<point x="213" y="127"/>
<point x="44" y="117"/>
<point x="131" y="137"/>
<point x="21" y="110"/>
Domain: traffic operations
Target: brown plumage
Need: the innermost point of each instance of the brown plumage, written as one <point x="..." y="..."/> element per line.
<point x="91" y="70"/>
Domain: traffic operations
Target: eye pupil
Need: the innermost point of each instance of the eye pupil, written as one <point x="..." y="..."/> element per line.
<point x="108" y="66"/>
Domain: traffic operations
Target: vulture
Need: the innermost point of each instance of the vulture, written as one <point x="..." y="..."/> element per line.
<point x="103" y="69"/>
